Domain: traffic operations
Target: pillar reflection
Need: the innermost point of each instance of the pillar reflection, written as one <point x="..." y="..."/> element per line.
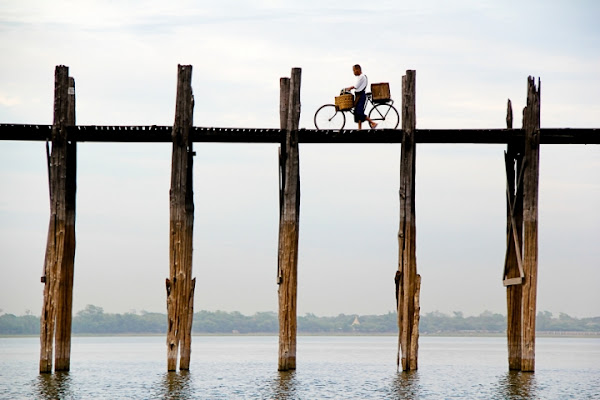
<point x="406" y="385"/>
<point x="54" y="386"/>
<point x="285" y="386"/>
<point x="175" y="385"/>
<point x="517" y="385"/>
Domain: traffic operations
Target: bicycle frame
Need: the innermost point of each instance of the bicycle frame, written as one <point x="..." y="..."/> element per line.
<point x="370" y="101"/>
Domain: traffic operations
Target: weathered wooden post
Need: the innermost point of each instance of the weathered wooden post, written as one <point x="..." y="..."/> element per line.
<point x="513" y="264"/>
<point x="55" y="324"/>
<point x="531" y="126"/>
<point x="284" y="101"/>
<point x="180" y="285"/>
<point x="287" y="276"/>
<point x="408" y="282"/>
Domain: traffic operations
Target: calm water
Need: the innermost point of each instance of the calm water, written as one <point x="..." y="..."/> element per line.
<point x="327" y="368"/>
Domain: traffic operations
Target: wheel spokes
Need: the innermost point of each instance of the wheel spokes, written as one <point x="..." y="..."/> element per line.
<point x="385" y="115"/>
<point x="328" y="117"/>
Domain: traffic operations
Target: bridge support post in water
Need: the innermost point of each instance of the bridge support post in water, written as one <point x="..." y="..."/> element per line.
<point x="180" y="285"/>
<point x="513" y="262"/>
<point x="289" y="197"/>
<point x="531" y="126"/>
<point x="55" y="324"/>
<point x="520" y="269"/>
<point x="408" y="282"/>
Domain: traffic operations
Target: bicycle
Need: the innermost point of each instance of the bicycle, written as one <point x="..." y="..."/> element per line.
<point x="329" y="116"/>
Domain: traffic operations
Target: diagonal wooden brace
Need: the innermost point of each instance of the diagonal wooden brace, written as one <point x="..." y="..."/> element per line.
<point x="513" y="232"/>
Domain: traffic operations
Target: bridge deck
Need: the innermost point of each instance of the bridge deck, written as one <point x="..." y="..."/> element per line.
<point x="158" y="134"/>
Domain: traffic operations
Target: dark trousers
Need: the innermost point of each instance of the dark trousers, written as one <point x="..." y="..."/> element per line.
<point x="359" y="108"/>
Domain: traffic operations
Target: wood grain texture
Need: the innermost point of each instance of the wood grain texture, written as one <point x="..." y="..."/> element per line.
<point x="514" y="232"/>
<point x="531" y="125"/>
<point x="408" y="320"/>
<point x="179" y="285"/>
<point x="55" y="323"/>
<point x="289" y="223"/>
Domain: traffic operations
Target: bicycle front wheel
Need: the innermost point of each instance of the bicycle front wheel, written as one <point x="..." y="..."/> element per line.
<point x="328" y="117"/>
<point x="385" y="116"/>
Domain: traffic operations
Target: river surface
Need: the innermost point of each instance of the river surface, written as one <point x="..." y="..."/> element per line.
<point x="328" y="367"/>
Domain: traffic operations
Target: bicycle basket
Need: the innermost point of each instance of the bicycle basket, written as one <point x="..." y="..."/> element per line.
<point x="381" y="92"/>
<point x="344" y="102"/>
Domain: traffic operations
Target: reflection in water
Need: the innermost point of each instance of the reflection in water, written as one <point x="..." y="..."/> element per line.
<point x="517" y="385"/>
<point x="284" y="386"/>
<point x="337" y="368"/>
<point x="54" y="386"/>
<point x="175" y="385"/>
<point x="406" y="385"/>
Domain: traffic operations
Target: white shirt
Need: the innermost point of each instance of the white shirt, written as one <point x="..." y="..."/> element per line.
<point x="361" y="83"/>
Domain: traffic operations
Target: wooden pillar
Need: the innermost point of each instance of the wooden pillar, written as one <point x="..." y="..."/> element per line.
<point x="513" y="269"/>
<point x="287" y="276"/>
<point x="407" y="280"/>
<point x="531" y="126"/>
<point x="180" y="285"/>
<point x="64" y="314"/>
<point x="284" y="101"/>
<point x="55" y="324"/>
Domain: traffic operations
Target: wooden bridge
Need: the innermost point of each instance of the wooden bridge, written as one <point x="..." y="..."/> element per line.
<point x="522" y="173"/>
<point x="162" y="134"/>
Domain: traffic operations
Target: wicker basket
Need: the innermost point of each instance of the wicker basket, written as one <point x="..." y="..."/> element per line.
<point x="345" y="101"/>
<point x="381" y="92"/>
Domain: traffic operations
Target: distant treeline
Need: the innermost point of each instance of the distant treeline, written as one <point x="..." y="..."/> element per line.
<point x="93" y="320"/>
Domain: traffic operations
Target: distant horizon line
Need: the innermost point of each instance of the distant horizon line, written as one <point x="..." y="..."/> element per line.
<point x="450" y="314"/>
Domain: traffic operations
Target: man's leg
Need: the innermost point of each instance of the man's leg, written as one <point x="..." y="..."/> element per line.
<point x="372" y="123"/>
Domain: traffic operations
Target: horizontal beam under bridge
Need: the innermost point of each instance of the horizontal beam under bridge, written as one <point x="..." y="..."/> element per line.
<point x="162" y="134"/>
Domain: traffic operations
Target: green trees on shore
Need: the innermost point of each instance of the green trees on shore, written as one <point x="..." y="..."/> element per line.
<point x="93" y="320"/>
<point x="23" y="325"/>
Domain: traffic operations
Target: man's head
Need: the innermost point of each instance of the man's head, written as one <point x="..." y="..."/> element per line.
<point x="357" y="70"/>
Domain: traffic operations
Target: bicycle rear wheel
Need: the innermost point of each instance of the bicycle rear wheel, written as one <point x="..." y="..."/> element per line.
<point x="328" y="117"/>
<point x="385" y="116"/>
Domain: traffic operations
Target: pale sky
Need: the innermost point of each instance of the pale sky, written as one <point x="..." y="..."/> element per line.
<point x="469" y="57"/>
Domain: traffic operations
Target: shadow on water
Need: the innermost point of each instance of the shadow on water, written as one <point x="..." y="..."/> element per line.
<point x="517" y="385"/>
<point x="175" y="385"/>
<point x="284" y="386"/>
<point x="54" y="386"/>
<point x="406" y="385"/>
